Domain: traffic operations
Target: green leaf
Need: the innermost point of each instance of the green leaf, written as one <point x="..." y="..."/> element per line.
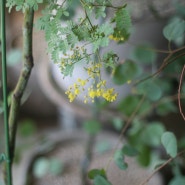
<point x="41" y="167"/>
<point x="119" y="160"/>
<point x="102" y="146"/>
<point x="128" y="105"/>
<point x="126" y="72"/>
<point x="123" y="23"/>
<point x="2" y="158"/>
<point x="27" y="128"/>
<point x="152" y="133"/>
<point x="99" y="180"/>
<point x="178" y="180"/>
<point x="169" y="142"/>
<point x="56" y="166"/>
<point x="14" y="57"/>
<point x="118" y="123"/>
<point x="129" y="151"/>
<point x="144" y="54"/>
<point x="92" y="126"/>
<point x="150" y="89"/>
<point x="144" y="156"/>
<point x="174" y="29"/>
<point x="166" y="108"/>
<point x="95" y="172"/>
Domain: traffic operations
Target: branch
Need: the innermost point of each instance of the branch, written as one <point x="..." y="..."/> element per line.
<point x="160" y="167"/>
<point x="23" y="78"/>
<point x="179" y="93"/>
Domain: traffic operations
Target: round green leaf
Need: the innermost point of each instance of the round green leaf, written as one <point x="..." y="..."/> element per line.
<point x="99" y="180"/>
<point x="56" y="167"/>
<point x="14" y="57"/>
<point x="169" y="142"/>
<point x="178" y="180"/>
<point x="151" y="135"/>
<point x="150" y="89"/>
<point x="119" y="160"/>
<point x="41" y="167"/>
<point x="126" y="72"/>
<point x="175" y="29"/>
<point x="144" y="54"/>
<point x="129" y="151"/>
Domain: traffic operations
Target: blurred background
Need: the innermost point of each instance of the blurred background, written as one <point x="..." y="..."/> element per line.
<point x="57" y="140"/>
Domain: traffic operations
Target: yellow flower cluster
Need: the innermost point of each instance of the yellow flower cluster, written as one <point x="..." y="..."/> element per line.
<point x="96" y="90"/>
<point x="76" y="89"/>
<point x="102" y="91"/>
<point x="93" y="92"/>
<point x="116" y="38"/>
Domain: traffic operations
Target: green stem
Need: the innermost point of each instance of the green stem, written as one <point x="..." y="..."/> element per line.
<point x="5" y="99"/>
<point x="23" y="78"/>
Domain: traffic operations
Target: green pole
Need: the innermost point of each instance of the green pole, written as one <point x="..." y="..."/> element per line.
<point x="5" y="99"/>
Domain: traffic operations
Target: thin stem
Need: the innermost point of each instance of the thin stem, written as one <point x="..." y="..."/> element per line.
<point x="179" y="93"/>
<point x="5" y="99"/>
<point x="160" y="167"/>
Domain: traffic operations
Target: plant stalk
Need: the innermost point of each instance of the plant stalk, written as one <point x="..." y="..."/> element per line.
<point x="5" y="96"/>
<point x="23" y="78"/>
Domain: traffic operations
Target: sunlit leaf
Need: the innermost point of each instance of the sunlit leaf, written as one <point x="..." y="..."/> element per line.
<point x="41" y="167"/>
<point x="169" y="142"/>
<point x="14" y="57"/>
<point x="95" y="172"/>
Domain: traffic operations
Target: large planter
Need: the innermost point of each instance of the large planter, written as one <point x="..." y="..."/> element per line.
<point x="69" y="148"/>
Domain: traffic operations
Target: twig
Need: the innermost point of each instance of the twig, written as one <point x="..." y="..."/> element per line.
<point x="179" y="93"/>
<point x="160" y="167"/>
<point x="23" y="78"/>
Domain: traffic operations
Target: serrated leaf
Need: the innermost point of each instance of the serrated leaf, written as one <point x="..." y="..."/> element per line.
<point x="99" y="180"/>
<point x="126" y="72"/>
<point x="169" y="142"/>
<point x="119" y="160"/>
<point x="123" y="23"/>
<point x="174" y="30"/>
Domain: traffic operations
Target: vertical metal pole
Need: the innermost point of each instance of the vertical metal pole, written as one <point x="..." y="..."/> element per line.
<point x="5" y="101"/>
